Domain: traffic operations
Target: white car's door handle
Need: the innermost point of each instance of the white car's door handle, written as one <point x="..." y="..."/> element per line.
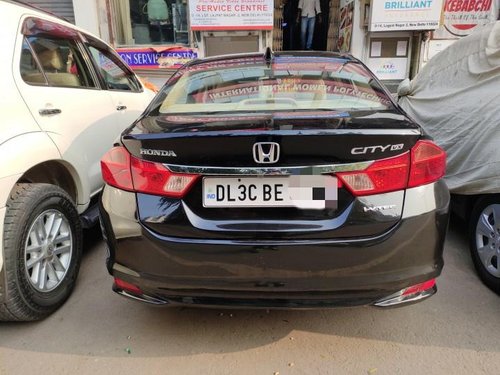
<point x="121" y="107"/>
<point x="48" y="112"/>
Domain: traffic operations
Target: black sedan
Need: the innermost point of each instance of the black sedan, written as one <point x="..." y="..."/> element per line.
<point x="278" y="181"/>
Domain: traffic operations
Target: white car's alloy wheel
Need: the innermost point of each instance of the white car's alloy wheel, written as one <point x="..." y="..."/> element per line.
<point x="48" y="250"/>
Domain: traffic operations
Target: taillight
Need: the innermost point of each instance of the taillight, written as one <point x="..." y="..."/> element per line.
<point x="121" y="170"/>
<point x="115" y="167"/>
<point x="424" y="164"/>
<point x="154" y="178"/>
<point x="428" y="163"/>
<point x="380" y="177"/>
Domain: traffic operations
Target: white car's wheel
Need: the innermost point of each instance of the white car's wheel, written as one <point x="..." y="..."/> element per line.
<point x="42" y="251"/>
<point x="485" y="240"/>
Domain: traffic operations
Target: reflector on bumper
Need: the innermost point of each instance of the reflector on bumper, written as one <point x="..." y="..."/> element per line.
<point x="411" y="294"/>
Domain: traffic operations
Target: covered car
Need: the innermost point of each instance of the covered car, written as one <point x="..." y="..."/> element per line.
<point x="456" y="99"/>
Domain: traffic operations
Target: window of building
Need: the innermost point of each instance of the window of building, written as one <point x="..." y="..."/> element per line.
<point x="144" y="22"/>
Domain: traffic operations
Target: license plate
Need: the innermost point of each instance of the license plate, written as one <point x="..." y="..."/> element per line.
<point x="311" y="192"/>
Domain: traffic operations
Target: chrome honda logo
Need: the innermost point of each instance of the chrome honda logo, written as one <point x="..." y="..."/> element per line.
<point x="266" y="152"/>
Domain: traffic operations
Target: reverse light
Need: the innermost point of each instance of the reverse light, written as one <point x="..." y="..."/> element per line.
<point x="122" y="170"/>
<point x="424" y="164"/>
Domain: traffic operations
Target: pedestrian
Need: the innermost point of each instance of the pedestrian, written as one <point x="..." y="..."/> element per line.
<point x="308" y="10"/>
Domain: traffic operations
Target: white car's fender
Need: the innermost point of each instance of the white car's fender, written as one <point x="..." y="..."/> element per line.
<point x="23" y="152"/>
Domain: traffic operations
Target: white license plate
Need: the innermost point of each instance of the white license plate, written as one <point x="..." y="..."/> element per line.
<point x="311" y="192"/>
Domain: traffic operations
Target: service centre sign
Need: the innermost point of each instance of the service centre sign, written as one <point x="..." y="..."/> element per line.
<point x="389" y="15"/>
<point x="231" y="14"/>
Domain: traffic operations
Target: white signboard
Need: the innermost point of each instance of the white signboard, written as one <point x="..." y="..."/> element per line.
<point x="389" y="68"/>
<point x="461" y="17"/>
<point x="231" y="14"/>
<point x="389" y="15"/>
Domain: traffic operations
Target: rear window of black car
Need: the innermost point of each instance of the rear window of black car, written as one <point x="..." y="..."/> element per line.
<point x="286" y="84"/>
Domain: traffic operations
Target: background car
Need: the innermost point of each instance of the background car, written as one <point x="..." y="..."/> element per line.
<point x="275" y="180"/>
<point x="456" y="99"/>
<point x="66" y="96"/>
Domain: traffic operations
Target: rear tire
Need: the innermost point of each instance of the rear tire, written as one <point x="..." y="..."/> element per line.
<point x="42" y="251"/>
<point x="484" y="237"/>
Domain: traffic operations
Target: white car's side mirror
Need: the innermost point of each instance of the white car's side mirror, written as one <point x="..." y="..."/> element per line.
<point x="404" y="87"/>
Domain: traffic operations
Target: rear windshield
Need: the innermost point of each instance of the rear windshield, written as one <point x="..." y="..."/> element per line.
<point x="289" y="84"/>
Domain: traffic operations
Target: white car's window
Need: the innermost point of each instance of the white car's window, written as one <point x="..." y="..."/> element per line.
<point x="115" y="76"/>
<point x="54" y="61"/>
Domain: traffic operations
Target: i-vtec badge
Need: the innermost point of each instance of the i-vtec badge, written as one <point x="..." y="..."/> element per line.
<point x="377" y="148"/>
<point x="379" y="208"/>
<point x="151" y="152"/>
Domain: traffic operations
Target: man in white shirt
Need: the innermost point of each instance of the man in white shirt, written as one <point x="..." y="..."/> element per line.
<point x="308" y="10"/>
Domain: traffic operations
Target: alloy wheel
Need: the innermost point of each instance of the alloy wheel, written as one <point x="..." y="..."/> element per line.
<point x="48" y="250"/>
<point x="488" y="239"/>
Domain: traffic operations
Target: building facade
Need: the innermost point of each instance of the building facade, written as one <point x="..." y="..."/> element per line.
<point x="393" y="38"/>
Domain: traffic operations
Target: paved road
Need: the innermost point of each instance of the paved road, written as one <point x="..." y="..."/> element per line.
<point x="455" y="332"/>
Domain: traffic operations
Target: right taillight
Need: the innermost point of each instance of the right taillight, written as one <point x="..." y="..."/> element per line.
<point x="122" y="170"/>
<point x="428" y="163"/>
<point x="424" y="164"/>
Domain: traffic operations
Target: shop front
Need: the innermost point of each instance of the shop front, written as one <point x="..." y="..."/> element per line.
<point x="155" y="37"/>
<point x="397" y="30"/>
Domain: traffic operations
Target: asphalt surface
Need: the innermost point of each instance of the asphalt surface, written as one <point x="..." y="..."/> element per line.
<point x="456" y="331"/>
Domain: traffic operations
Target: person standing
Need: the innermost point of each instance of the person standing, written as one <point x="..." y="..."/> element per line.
<point x="308" y="10"/>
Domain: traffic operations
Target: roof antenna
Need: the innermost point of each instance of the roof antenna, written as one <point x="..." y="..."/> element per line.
<point x="268" y="55"/>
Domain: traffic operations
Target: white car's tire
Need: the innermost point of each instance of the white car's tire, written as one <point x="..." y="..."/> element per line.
<point x="42" y="251"/>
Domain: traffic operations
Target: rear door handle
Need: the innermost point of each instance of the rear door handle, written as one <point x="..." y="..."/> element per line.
<point x="121" y="107"/>
<point x="48" y="112"/>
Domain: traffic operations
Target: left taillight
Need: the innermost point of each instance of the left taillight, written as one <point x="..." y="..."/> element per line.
<point x="122" y="170"/>
<point x="115" y="168"/>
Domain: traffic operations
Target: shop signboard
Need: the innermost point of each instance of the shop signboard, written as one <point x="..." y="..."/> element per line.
<point x="345" y="28"/>
<point x="231" y="14"/>
<point x="390" y="15"/>
<point x="461" y="17"/>
<point x="157" y="57"/>
<point x="389" y="68"/>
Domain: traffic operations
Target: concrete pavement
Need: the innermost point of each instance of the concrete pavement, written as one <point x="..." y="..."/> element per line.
<point x="456" y="331"/>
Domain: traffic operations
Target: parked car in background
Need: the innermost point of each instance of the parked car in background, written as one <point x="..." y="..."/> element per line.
<point x="456" y="99"/>
<point x="66" y="96"/>
<point x="275" y="180"/>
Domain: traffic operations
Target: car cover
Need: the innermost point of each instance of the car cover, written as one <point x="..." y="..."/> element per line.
<point x="456" y="99"/>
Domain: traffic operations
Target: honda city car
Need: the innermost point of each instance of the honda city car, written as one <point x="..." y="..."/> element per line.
<point x="275" y="180"/>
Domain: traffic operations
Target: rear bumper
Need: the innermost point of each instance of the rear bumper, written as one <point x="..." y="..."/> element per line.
<point x="275" y="274"/>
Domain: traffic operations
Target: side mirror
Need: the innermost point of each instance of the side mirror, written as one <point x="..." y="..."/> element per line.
<point x="404" y="87"/>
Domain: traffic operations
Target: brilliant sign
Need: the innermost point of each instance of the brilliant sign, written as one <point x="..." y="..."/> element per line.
<point x="405" y="15"/>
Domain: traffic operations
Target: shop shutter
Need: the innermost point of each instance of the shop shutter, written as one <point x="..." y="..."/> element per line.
<point x="61" y="8"/>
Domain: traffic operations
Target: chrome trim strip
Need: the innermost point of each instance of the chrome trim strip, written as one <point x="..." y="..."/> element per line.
<point x="141" y="298"/>
<point x="262" y="171"/>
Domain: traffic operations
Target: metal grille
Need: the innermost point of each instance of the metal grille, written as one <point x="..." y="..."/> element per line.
<point x="61" y="8"/>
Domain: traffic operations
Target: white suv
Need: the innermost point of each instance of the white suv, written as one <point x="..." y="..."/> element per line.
<point x="66" y="96"/>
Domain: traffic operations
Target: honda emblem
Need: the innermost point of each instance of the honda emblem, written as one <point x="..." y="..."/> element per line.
<point x="266" y="152"/>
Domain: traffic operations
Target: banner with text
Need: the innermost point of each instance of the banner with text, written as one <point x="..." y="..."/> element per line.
<point x="231" y="14"/>
<point x="389" y="15"/>
<point x="157" y="58"/>
<point x="460" y="17"/>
